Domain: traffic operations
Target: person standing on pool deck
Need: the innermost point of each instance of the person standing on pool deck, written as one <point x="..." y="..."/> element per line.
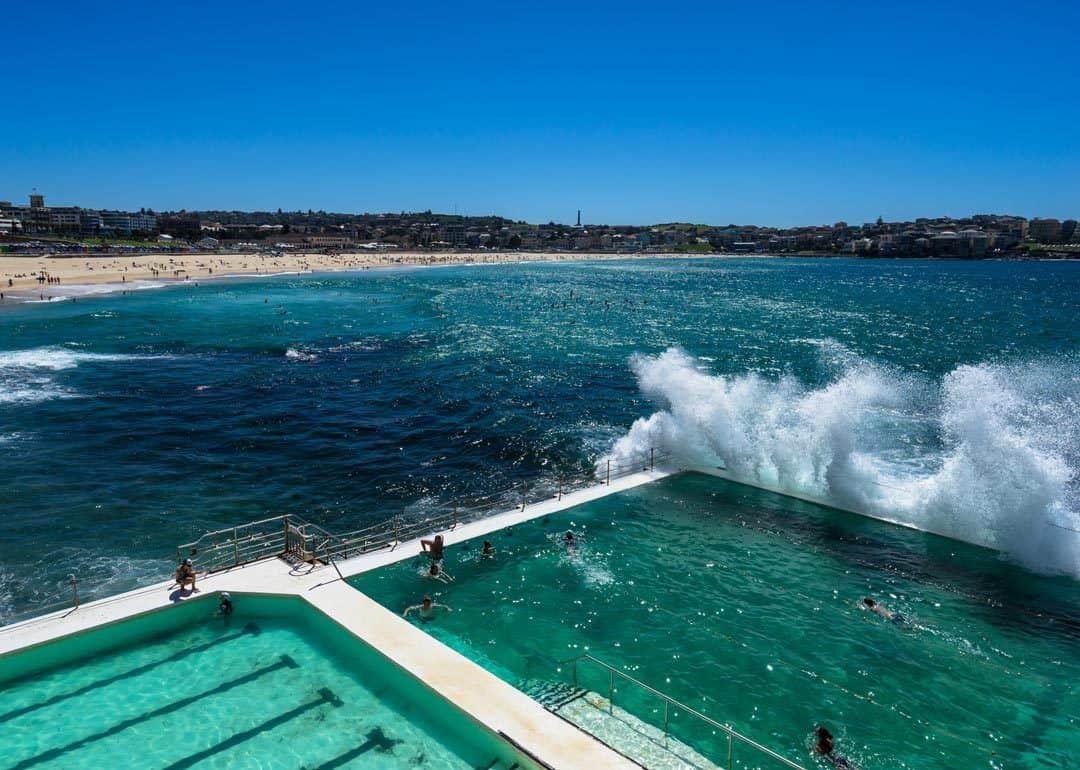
<point x="426" y="608"/>
<point x="433" y="548"/>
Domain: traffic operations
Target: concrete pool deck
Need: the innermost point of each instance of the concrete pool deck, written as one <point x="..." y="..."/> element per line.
<point x="502" y="709"/>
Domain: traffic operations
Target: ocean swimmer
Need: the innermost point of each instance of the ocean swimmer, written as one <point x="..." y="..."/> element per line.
<point x="870" y="605"/>
<point x="824" y="748"/>
<point x="435" y="572"/>
<point x="426" y="609"/>
<point x="433" y="548"/>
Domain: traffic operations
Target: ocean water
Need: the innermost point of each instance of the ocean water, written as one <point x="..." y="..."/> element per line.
<point x="940" y="394"/>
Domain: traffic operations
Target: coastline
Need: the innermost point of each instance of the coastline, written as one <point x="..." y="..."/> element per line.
<point x="88" y="275"/>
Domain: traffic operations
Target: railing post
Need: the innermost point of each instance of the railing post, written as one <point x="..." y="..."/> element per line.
<point x="611" y="691"/>
<point x="652" y="458"/>
<point x="74" y="589"/>
<point x="523" y="496"/>
<point x="729" y="742"/>
<point x="667" y="704"/>
<point x="285" y="545"/>
<point x="235" y="548"/>
<point x="609" y="472"/>
<point x="560" y="485"/>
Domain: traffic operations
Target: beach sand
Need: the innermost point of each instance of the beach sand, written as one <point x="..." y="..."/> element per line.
<point x="19" y="274"/>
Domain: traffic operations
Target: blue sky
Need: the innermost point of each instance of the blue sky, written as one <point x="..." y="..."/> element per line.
<point x="769" y="113"/>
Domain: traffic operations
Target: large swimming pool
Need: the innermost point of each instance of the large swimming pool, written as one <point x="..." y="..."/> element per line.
<point x="745" y="606"/>
<point x="277" y="685"/>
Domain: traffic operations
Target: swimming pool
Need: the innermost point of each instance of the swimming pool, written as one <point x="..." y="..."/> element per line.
<point x="277" y="685"/>
<point x="744" y="606"/>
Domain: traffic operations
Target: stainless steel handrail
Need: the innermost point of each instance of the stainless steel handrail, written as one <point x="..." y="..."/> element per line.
<point x="732" y="735"/>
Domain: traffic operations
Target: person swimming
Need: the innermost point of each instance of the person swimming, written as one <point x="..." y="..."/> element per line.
<point x="225" y="607"/>
<point x="435" y="572"/>
<point x="870" y="605"/>
<point x="426" y="608"/>
<point x="825" y="748"/>
<point x="487" y="551"/>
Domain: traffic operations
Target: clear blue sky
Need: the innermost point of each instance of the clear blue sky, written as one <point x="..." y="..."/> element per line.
<point x="749" y="112"/>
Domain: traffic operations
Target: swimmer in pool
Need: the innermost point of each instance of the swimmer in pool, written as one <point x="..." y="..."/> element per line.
<point x="870" y="605"/>
<point x="426" y="608"/>
<point x="570" y="540"/>
<point x="824" y="748"/>
<point x="487" y="551"/>
<point x="433" y="548"/>
<point x="435" y="572"/>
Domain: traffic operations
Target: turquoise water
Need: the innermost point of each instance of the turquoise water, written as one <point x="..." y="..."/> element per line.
<point x="938" y="393"/>
<point x="744" y="606"/>
<point x="274" y="686"/>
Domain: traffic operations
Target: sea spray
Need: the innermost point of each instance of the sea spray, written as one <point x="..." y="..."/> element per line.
<point x="992" y="460"/>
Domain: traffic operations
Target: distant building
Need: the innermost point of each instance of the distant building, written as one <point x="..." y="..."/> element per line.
<point x="1044" y="230"/>
<point x="1068" y="231"/>
<point x="37" y="201"/>
<point x="180" y="225"/>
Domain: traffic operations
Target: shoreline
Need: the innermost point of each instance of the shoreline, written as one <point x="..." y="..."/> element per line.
<point x="87" y="276"/>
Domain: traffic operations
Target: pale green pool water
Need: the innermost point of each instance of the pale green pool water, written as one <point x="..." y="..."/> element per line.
<point x="743" y="605"/>
<point x="275" y="686"/>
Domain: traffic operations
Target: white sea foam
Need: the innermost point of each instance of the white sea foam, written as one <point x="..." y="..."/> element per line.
<point x="25" y="375"/>
<point x="64" y="292"/>
<point x="993" y="459"/>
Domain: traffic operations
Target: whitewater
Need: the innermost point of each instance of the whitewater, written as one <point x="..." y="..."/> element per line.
<point x="987" y="454"/>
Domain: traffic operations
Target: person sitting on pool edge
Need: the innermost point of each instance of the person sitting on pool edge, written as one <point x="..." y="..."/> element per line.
<point x="433" y="548"/>
<point x="426" y="608"/>
<point x="824" y="748"/>
<point x="185" y="573"/>
<point x="435" y="572"/>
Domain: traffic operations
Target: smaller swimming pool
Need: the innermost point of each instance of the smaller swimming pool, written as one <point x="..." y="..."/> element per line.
<point x="276" y="685"/>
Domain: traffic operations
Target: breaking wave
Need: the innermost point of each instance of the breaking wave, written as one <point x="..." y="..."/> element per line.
<point x="26" y="375"/>
<point x="988" y="454"/>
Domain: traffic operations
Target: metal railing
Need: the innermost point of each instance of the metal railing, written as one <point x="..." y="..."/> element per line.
<point x="670" y="704"/>
<point x="291" y="537"/>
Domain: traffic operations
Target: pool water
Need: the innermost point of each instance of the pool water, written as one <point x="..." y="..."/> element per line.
<point x="278" y="685"/>
<point x="744" y="605"/>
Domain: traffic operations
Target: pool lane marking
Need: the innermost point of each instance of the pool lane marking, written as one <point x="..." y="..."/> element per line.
<point x="326" y="696"/>
<point x="284" y="662"/>
<point x="250" y="628"/>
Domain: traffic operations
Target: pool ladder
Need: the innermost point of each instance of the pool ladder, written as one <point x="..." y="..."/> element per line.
<point x="733" y="736"/>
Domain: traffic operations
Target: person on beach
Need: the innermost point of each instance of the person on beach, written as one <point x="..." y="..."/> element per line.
<point x="435" y="572"/>
<point x="824" y="748"/>
<point x="433" y="548"/>
<point x="426" y="608"/>
<point x="870" y="605"/>
<point x="185" y="574"/>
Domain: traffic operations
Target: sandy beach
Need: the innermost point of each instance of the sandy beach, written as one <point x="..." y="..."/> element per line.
<point x="19" y="275"/>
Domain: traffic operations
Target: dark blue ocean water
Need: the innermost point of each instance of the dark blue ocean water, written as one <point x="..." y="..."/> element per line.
<point x="941" y="393"/>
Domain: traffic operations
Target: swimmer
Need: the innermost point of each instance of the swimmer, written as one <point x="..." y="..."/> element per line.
<point x="824" y="748"/>
<point x="435" y="572"/>
<point x="570" y="541"/>
<point x="426" y="608"/>
<point x="871" y="606"/>
<point x="487" y="551"/>
<point x="433" y="548"/>
<point x="225" y="607"/>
